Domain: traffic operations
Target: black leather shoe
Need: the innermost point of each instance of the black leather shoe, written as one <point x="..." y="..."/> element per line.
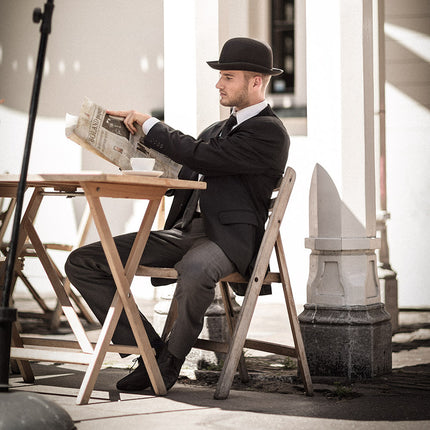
<point x="170" y="366"/>
<point x="138" y="379"/>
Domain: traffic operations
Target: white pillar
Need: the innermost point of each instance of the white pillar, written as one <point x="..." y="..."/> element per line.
<point x="190" y="39"/>
<point x="343" y="289"/>
<point x="191" y="103"/>
<point x="340" y="116"/>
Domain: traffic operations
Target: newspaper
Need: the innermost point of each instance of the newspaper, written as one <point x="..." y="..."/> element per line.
<point x="108" y="137"/>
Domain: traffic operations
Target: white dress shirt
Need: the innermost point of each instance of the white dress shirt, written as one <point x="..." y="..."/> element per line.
<point x="241" y="115"/>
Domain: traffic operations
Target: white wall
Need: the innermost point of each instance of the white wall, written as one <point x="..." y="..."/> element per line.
<point x="123" y="67"/>
<point x="407" y="31"/>
<point x="108" y="50"/>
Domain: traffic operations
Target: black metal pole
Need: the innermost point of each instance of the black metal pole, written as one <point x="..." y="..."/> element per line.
<point x="7" y="314"/>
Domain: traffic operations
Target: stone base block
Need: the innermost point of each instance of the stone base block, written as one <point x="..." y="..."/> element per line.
<point x="389" y="293"/>
<point x="353" y="342"/>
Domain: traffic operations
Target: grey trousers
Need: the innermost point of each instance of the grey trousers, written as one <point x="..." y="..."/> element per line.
<point x="200" y="264"/>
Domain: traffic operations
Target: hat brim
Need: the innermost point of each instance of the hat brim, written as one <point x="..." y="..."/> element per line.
<point x="244" y="66"/>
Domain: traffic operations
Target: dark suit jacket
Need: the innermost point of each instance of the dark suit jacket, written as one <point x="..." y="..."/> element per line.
<point x="240" y="170"/>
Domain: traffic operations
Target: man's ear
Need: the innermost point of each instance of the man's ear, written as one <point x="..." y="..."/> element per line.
<point x="257" y="81"/>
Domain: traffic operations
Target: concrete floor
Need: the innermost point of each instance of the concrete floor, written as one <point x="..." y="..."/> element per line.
<point x="397" y="401"/>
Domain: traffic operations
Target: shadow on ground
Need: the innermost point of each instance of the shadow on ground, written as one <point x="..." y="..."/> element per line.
<point x="402" y="396"/>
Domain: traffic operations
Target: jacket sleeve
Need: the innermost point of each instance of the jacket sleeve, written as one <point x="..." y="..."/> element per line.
<point x="252" y="148"/>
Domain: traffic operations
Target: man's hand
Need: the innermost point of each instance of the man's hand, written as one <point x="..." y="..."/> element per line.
<point x="130" y="117"/>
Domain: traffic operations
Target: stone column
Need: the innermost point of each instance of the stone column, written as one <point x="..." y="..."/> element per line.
<point x="345" y="327"/>
<point x="190" y="39"/>
<point x="387" y="276"/>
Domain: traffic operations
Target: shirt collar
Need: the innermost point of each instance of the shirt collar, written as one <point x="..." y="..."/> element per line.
<point x="250" y="111"/>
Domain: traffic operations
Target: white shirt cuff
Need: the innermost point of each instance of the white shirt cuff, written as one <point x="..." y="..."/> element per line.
<point x="149" y="123"/>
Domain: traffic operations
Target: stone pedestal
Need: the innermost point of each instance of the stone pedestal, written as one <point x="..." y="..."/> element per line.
<point x="387" y="276"/>
<point x="21" y="411"/>
<point x="389" y="293"/>
<point x="346" y="330"/>
<point x="353" y="342"/>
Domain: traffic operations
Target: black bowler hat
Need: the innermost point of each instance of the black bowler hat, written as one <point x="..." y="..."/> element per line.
<point x="242" y="53"/>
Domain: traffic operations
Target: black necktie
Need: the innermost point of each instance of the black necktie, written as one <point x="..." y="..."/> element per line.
<point x="190" y="209"/>
<point x="230" y="123"/>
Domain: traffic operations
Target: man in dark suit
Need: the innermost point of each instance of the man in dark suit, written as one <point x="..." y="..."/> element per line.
<point x="209" y="236"/>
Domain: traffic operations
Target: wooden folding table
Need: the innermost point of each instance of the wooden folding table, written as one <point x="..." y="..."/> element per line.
<point x="94" y="186"/>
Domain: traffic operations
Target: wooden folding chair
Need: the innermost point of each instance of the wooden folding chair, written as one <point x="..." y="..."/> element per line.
<point x="5" y="215"/>
<point x="239" y="325"/>
<point x="28" y="251"/>
<point x="7" y="206"/>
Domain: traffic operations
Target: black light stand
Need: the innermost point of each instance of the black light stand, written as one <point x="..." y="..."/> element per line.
<point x="7" y="314"/>
<point x="23" y="410"/>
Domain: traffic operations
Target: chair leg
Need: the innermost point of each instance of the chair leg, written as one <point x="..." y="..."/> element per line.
<point x="231" y="320"/>
<point x="238" y="341"/>
<point x="83" y="311"/>
<point x="43" y="306"/>
<point x="55" y="321"/>
<point x="229" y="311"/>
<point x="14" y="368"/>
<point x="58" y="311"/>
<point x="292" y="314"/>
<point x="23" y="365"/>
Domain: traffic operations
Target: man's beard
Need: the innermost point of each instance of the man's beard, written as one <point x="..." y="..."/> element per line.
<point x="240" y="99"/>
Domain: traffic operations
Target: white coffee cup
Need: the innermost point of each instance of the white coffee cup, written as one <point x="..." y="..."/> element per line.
<point x="142" y="163"/>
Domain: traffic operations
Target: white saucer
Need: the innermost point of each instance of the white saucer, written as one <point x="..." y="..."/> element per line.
<point x="143" y="172"/>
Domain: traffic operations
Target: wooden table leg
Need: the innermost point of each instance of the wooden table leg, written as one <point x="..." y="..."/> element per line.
<point x="28" y="230"/>
<point x="6" y="217"/>
<point x="123" y="277"/>
<point x="100" y="350"/>
<point x="23" y="365"/>
<point x="64" y="299"/>
<point x="30" y="213"/>
<point x="82" y="233"/>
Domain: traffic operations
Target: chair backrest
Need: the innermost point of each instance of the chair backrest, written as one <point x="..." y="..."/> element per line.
<point x="280" y="197"/>
<point x="5" y="215"/>
<point x="277" y="211"/>
<point x="271" y="240"/>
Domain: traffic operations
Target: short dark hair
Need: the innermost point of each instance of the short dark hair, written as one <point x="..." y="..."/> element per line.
<point x="264" y="76"/>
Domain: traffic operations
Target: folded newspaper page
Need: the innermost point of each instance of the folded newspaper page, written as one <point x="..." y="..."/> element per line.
<point x="108" y="137"/>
